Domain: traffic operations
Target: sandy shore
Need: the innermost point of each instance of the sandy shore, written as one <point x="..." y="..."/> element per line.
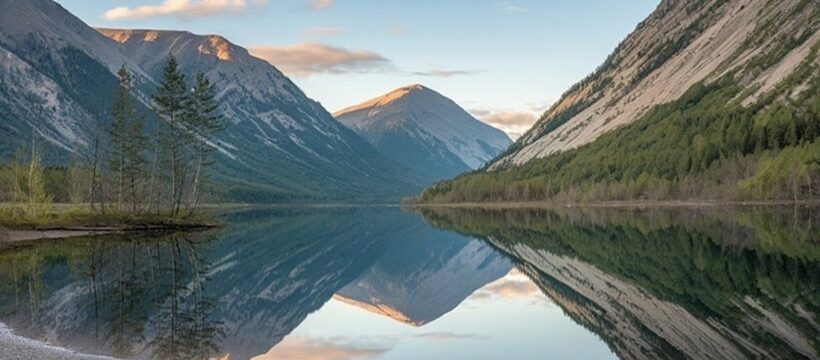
<point x="13" y="347"/>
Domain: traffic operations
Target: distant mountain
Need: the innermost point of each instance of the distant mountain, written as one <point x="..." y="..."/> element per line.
<point x="704" y="99"/>
<point x="425" y="131"/>
<point x="424" y="275"/>
<point x="280" y="145"/>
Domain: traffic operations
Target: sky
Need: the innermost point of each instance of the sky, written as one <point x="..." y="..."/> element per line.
<point x="503" y="61"/>
<point x="509" y="318"/>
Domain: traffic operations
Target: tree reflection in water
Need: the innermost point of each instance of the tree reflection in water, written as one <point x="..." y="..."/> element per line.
<point x="135" y="296"/>
<point x="669" y="283"/>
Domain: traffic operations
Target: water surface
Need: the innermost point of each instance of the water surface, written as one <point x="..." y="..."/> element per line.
<point x="382" y="283"/>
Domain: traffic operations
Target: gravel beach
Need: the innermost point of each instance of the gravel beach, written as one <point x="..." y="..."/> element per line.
<point x="13" y="347"/>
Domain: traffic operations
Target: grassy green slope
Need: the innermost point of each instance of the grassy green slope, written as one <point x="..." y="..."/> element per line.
<point x="705" y="145"/>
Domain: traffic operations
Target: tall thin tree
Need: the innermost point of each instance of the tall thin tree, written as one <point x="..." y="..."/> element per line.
<point x="169" y="103"/>
<point x="121" y="114"/>
<point x="205" y="121"/>
<point x="128" y="142"/>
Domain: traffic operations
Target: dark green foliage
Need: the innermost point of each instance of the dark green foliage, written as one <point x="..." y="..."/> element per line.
<point x="702" y="146"/>
<point x="716" y="264"/>
<point x="128" y="141"/>
<point x="204" y="122"/>
<point x="170" y="101"/>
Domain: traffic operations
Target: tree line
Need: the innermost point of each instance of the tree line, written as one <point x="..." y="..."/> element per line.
<point x="127" y="166"/>
<point x="705" y="145"/>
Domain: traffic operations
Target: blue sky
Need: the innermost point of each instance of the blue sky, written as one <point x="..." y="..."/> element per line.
<point x="504" y="61"/>
<point x="509" y="318"/>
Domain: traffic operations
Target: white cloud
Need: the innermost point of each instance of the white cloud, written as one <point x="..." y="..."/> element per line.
<point x="308" y="348"/>
<point x="179" y="8"/>
<point x="512" y="286"/>
<point x="513" y="122"/>
<point x="510" y="7"/>
<point x="446" y="73"/>
<point x="447" y="336"/>
<point x="320" y="4"/>
<point x="308" y="59"/>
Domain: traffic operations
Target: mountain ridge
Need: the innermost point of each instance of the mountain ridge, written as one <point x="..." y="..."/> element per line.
<point x="425" y="131"/>
<point x="681" y="43"/>
<point x="705" y="100"/>
<point x="280" y="145"/>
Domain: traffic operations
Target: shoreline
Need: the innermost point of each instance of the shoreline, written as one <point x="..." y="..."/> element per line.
<point x="22" y="235"/>
<point x="625" y="204"/>
<point x="15" y="347"/>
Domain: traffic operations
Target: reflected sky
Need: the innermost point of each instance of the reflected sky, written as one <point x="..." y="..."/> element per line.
<point x="507" y="318"/>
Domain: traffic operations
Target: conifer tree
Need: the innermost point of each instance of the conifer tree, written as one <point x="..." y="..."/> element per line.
<point x="170" y="102"/>
<point x="205" y="122"/>
<point x="126" y="143"/>
<point x="118" y="131"/>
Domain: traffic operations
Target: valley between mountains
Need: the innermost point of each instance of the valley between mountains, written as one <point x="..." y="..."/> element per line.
<point x="709" y="100"/>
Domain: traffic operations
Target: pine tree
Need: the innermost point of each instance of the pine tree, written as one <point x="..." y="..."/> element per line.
<point x="93" y="156"/>
<point x="128" y="142"/>
<point x="205" y="122"/>
<point x="121" y="114"/>
<point x="170" y="105"/>
<point x="135" y="156"/>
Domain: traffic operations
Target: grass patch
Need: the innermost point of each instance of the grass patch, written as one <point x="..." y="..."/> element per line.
<point x="75" y="216"/>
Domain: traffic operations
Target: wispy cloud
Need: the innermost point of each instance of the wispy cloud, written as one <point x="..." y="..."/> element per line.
<point x="513" y="285"/>
<point x="510" y="7"/>
<point x="180" y="8"/>
<point x="513" y="122"/>
<point x="396" y="30"/>
<point x="325" y="31"/>
<point x="308" y="59"/>
<point x="446" y="336"/>
<point x="446" y="73"/>
<point x="320" y="4"/>
<point x="308" y="348"/>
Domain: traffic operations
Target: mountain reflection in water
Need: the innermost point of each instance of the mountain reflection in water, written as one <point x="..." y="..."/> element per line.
<point x="362" y="283"/>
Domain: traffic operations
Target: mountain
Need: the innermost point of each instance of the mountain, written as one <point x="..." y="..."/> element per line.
<point x="259" y="281"/>
<point x="425" y="131"/>
<point x="700" y="100"/>
<point x="279" y="146"/>
<point x="667" y="283"/>
<point x="56" y="72"/>
<point x="424" y="275"/>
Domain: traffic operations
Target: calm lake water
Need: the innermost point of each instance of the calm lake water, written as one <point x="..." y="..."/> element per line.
<point x="382" y="283"/>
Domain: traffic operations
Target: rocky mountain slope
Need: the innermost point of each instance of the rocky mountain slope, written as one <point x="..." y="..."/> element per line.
<point x="279" y="146"/>
<point x="713" y="100"/>
<point x="680" y="44"/>
<point x="52" y="65"/>
<point x="667" y="284"/>
<point x="424" y="275"/>
<point x="425" y="131"/>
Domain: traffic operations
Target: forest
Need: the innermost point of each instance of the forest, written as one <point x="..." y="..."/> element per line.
<point x="129" y="168"/>
<point x="706" y="145"/>
<point x="710" y="262"/>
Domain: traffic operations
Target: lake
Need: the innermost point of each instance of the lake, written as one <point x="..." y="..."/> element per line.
<point x="437" y="283"/>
